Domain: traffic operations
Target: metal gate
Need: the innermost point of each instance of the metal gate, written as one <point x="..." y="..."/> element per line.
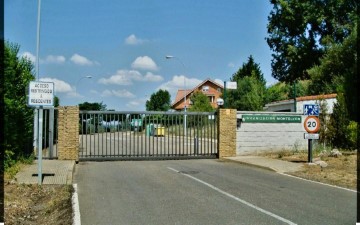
<point x="50" y="135"/>
<point x="110" y="135"/>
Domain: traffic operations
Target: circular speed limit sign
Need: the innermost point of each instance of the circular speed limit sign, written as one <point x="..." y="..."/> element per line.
<point x="312" y="124"/>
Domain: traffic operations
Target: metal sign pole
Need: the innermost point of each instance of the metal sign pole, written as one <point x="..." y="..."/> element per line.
<point x="51" y="132"/>
<point x="40" y="145"/>
<point x="310" y="151"/>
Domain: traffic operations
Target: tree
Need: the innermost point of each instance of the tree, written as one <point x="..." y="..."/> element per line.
<point x="249" y="69"/>
<point x="338" y="125"/>
<point x="283" y="91"/>
<point x="18" y="117"/>
<point x="200" y="103"/>
<point x="249" y="95"/>
<point x="301" y="31"/>
<point x="250" y="92"/>
<point x="95" y="106"/>
<point x="159" y="101"/>
<point x="338" y="70"/>
<point x="56" y="101"/>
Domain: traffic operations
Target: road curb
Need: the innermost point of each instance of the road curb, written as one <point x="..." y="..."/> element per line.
<point x="249" y="164"/>
<point x="75" y="206"/>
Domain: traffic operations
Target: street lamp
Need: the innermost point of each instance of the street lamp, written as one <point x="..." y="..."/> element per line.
<point x="173" y="57"/>
<point x="87" y="77"/>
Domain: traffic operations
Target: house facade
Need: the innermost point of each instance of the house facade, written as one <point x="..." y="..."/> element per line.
<point x="208" y="87"/>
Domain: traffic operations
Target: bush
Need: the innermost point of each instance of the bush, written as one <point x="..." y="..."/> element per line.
<point x="352" y="130"/>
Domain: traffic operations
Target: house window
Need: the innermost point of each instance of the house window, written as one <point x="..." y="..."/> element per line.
<point x="211" y="99"/>
<point x="219" y="89"/>
<point x="205" y="88"/>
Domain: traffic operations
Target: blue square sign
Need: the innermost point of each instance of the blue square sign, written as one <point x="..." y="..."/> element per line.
<point x="311" y="109"/>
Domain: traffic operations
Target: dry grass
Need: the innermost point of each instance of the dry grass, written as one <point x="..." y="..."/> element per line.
<point x="34" y="204"/>
<point x="340" y="171"/>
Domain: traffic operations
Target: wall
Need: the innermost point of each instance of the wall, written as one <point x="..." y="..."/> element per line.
<point x="68" y="133"/>
<point x="254" y="137"/>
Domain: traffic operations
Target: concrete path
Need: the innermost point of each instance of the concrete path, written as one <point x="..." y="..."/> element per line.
<point x="276" y="165"/>
<point x="54" y="172"/>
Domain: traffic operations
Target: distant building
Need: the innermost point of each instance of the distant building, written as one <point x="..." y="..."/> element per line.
<point x="288" y="105"/>
<point x="208" y="87"/>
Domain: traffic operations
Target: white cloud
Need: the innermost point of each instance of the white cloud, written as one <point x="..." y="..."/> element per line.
<point x="144" y="63"/>
<point x="134" y="103"/>
<point x="231" y="65"/>
<point x="126" y="77"/>
<point x="152" y="77"/>
<point x="29" y="56"/>
<point x="117" y="93"/>
<point x="122" y="77"/>
<point x="60" y="85"/>
<point x="82" y="60"/>
<point x="58" y="59"/>
<point x="133" y="40"/>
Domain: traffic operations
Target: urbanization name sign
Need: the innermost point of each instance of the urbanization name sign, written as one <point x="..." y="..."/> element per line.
<point x="270" y="119"/>
<point x="41" y="94"/>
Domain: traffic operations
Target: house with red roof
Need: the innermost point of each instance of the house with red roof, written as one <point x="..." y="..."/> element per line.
<point x="208" y="87"/>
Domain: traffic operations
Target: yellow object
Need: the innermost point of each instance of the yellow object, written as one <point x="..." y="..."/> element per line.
<point x="160" y="131"/>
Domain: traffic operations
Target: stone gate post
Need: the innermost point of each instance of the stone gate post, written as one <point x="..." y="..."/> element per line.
<point x="227" y="133"/>
<point x="68" y="133"/>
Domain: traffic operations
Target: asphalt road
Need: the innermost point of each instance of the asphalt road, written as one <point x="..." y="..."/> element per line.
<point x="204" y="192"/>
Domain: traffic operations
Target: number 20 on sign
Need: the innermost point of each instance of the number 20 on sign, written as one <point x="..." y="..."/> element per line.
<point x="312" y="124"/>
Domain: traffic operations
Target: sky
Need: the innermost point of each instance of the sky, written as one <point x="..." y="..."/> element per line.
<point x="122" y="45"/>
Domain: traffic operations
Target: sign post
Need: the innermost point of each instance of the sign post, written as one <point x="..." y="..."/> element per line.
<point x="312" y="126"/>
<point x="41" y="94"/>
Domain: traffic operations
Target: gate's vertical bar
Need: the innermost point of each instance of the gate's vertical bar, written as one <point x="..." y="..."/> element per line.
<point x="81" y="148"/>
<point x="126" y="128"/>
<point x="130" y="136"/>
<point x="45" y="123"/>
<point x="117" y="133"/>
<point x="138" y="135"/>
<point x="51" y="132"/>
<point x="171" y="127"/>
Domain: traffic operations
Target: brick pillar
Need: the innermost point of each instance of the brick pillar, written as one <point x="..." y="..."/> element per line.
<point x="227" y="133"/>
<point x="68" y="133"/>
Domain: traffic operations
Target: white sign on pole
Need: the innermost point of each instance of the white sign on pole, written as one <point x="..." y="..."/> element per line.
<point x="311" y="136"/>
<point x="41" y="94"/>
<point x="231" y="85"/>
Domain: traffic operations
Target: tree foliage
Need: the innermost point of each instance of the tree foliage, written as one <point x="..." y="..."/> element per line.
<point x="249" y="95"/>
<point x="250" y="92"/>
<point x="283" y="91"/>
<point x="300" y="31"/>
<point x="18" y="117"/>
<point x="200" y="103"/>
<point x="250" y="68"/>
<point x="159" y="101"/>
<point x="95" y="106"/>
<point x="338" y="125"/>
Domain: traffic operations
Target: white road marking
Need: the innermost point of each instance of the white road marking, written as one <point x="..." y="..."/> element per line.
<point x="236" y="198"/>
<point x="317" y="182"/>
<point x="75" y="206"/>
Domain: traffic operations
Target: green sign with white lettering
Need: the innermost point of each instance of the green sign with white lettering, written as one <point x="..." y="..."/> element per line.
<point x="270" y="119"/>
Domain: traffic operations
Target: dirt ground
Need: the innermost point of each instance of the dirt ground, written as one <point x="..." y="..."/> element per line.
<point x="34" y="204"/>
<point x="339" y="171"/>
